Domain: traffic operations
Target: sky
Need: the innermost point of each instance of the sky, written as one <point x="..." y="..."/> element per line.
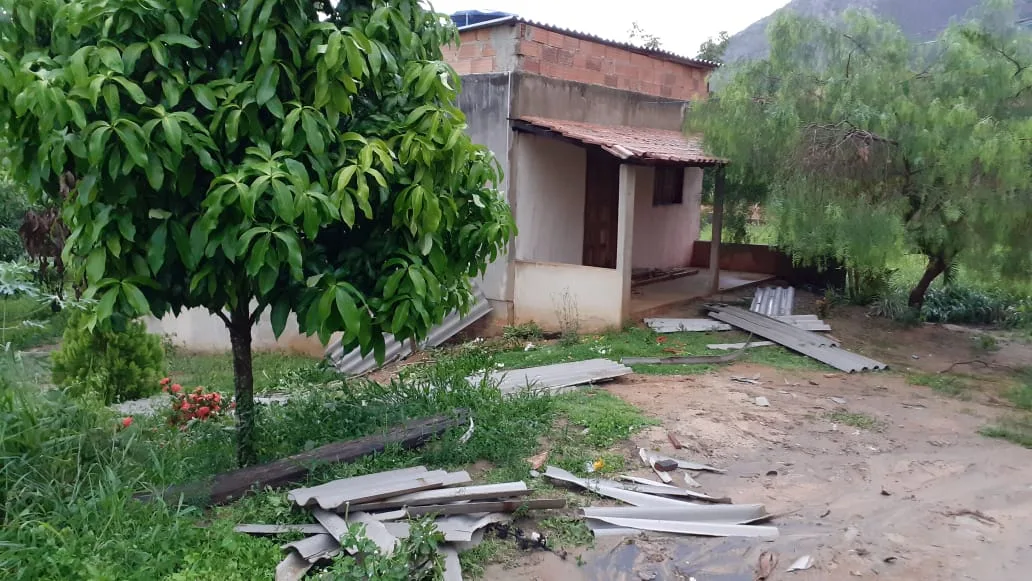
<point x="681" y="25"/>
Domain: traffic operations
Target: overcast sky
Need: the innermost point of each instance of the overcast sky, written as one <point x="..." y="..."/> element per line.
<point x="682" y="25"/>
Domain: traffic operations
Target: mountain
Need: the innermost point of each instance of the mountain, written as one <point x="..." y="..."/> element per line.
<point x="919" y="19"/>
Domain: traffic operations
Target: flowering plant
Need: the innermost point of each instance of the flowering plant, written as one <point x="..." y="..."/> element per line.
<point x="192" y="405"/>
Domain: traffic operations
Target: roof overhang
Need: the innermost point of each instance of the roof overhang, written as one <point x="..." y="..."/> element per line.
<point x="634" y="144"/>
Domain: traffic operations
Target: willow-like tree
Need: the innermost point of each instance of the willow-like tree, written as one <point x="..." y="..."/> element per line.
<point x="289" y="156"/>
<point x="873" y="146"/>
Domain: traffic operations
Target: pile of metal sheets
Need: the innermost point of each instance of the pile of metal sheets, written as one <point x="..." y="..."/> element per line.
<point x="381" y="505"/>
<point x="554" y="378"/>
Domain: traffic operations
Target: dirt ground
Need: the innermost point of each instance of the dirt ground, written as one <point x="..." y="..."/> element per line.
<point x="916" y="494"/>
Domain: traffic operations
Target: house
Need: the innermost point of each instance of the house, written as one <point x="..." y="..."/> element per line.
<point x="603" y="184"/>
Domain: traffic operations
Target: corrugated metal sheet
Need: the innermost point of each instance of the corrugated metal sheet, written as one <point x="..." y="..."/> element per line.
<point x="810" y="344"/>
<point x="627" y="142"/>
<point x="684" y="325"/>
<point x="353" y="363"/>
<point x="554" y="378"/>
<point x="773" y="301"/>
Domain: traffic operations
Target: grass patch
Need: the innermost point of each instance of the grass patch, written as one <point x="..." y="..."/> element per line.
<point x="28" y="323"/>
<point x="272" y="371"/>
<point x="943" y="383"/>
<point x="638" y="342"/>
<point x="568" y="532"/>
<point x="607" y="418"/>
<point x="1016" y="429"/>
<point x="855" y="419"/>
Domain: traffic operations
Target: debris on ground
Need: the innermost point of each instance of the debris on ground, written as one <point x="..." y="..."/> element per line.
<point x="382" y="503"/>
<point x="801" y="564"/>
<point x="765" y="566"/>
<point x="762" y="402"/>
<point x="674" y="441"/>
<point x="538" y="460"/>
<point x="553" y="378"/>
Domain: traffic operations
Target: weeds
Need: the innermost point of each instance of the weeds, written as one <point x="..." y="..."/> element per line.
<point x="568" y="532"/>
<point x="855" y="419"/>
<point x="1016" y="429"/>
<point x="568" y="315"/>
<point x="945" y="384"/>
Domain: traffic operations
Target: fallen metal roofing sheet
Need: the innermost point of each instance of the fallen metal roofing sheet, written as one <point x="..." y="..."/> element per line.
<point x="626" y="142"/>
<point x="773" y="301"/>
<point x="554" y="378"/>
<point x="809" y="344"/>
<point x="704" y="529"/>
<point x="353" y="363"/>
<point x="714" y="513"/>
<point x="660" y="325"/>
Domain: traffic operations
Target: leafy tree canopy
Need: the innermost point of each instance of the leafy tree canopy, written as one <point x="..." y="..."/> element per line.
<point x="714" y="48"/>
<point x="254" y="155"/>
<point x="872" y="145"/>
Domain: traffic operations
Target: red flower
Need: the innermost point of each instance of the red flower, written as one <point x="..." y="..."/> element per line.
<point x="660" y="339"/>
<point x="203" y="411"/>
<point x="127" y="421"/>
<point x="185" y="406"/>
<point x="165" y="381"/>
<point x="176" y="388"/>
<point x="217" y="397"/>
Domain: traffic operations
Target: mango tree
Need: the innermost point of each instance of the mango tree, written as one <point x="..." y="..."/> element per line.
<point x="246" y="156"/>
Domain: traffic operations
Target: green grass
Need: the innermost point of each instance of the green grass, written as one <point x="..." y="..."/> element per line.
<point x="856" y="420"/>
<point x="638" y="342"/>
<point x="215" y="370"/>
<point x="26" y="323"/>
<point x="1016" y="429"/>
<point x="943" y="383"/>
<point x="69" y="471"/>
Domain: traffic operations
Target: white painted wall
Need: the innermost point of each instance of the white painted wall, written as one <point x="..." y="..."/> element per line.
<point x="198" y="330"/>
<point x="597" y="294"/>
<point x="664" y="235"/>
<point x="548" y="188"/>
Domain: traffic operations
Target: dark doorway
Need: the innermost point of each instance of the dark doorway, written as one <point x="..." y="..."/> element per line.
<point x="601" y="209"/>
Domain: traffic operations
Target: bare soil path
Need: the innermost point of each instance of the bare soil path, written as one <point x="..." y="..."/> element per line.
<point x="895" y="483"/>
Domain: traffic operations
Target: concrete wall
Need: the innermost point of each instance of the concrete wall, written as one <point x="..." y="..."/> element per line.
<point x="543" y="290"/>
<point x="485" y="101"/>
<point x="540" y="96"/>
<point x="555" y="54"/>
<point x="664" y="236"/>
<point x="550" y="176"/>
<point x="198" y="330"/>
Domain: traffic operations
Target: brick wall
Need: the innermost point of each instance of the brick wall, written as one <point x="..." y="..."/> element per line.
<point x="533" y="49"/>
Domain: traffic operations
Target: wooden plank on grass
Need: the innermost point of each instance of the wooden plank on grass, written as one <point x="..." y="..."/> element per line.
<point x="498" y="506"/>
<point x="230" y="486"/>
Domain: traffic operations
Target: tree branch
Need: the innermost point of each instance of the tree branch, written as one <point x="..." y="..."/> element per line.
<point x="224" y="318"/>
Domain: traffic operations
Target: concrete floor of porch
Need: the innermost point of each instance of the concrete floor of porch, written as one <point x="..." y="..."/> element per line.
<point x="651" y="299"/>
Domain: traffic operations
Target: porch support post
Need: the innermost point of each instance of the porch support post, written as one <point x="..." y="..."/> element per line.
<point x="718" y="227"/>
<point x="625" y="236"/>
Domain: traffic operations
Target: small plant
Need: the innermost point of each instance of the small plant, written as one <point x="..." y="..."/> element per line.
<point x="113" y="366"/>
<point x="194" y="405"/>
<point x="1017" y="429"/>
<point x="568" y="315"/>
<point x="945" y="384"/>
<point x="525" y="332"/>
<point x="855" y="419"/>
<point x="985" y="343"/>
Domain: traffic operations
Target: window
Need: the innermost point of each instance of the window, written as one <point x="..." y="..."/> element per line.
<point x="668" y="188"/>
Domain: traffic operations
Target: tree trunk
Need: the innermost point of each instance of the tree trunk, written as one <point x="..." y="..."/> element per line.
<point x="936" y="266"/>
<point x="243" y="379"/>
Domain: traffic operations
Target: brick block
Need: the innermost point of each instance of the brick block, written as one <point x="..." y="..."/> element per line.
<point x="666" y="91"/>
<point x="595" y="77"/>
<point x="487" y="49"/>
<point x="483" y="33"/>
<point x="462" y="67"/>
<point x="627" y="71"/>
<point x="594" y="63"/>
<point x="549" y="54"/>
<point x="565" y="57"/>
<point x="482" y="65"/>
<point x="571" y="43"/>
<point x="555" y="39"/>
<point x="580" y="60"/>
<point x="469" y="50"/>
<point x="530" y="65"/>
<point x="529" y="48"/>
<point x="538" y="34"/>
<point x="670" y="79"/>
<point x="611" y="80"/>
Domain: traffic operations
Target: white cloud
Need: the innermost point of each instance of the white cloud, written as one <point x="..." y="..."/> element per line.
<point x="681" y="25"/>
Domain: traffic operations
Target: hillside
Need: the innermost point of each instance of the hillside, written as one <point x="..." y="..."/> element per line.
<point x="919" y="19"/>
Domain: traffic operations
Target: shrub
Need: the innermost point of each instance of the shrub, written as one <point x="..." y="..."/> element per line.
<point x="110" y="365"/>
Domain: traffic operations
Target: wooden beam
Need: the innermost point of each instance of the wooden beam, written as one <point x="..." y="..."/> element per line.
<point x="230" y="486"/>
<point x="718" y="229"/>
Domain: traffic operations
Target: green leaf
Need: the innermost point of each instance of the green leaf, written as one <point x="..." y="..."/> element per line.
<point x="134" y="90"/>
<point x="283" y="201"/>
<point x="418" y="282"/>
<point x="112" y="59"/>
<point x="159" y="52"/>
<point x="96" y="147"/>
<point x="106" y="305"/>
<point x="133" y="145"/>
<point x="267" y="48"/>
<point x="267" y="80"/>
<point x="232" y="125"/>
<point x="401" y="317"/>
<point x="312" y="134"/>
<point x="280" y="312"/>
<point x="179" y="39"/>
<point x="426" y="79"/>
<point x="136" y="299"/>
<point x="348" y="310"/>
<point x="391" y="287"/>
<point x="173" y="134"/>
<point x="155" y="172"/>
<point x="159" y="214"/>
<point x="95" y="264"/>
<point x="205" y="96"/>
<point x="267" y="277"/>
<point x="111" y="100"/>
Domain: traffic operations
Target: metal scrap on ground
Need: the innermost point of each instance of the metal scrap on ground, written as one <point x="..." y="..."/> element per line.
<point x="805" y="322"/>
<point x="554" y="378"/>
<point x="381" y="504"/>
<point x="823" y="349"/>
<point x="773" y="301"/>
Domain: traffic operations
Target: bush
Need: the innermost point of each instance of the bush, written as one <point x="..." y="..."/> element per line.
<point x="13" y="205"/>
<point x="110" y="365"/>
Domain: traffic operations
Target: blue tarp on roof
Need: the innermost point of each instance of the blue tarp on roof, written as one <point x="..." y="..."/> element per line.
<point x="470" y="17"/>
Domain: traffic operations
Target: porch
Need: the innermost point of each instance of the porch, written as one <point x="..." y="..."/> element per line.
<point x="596" y="204"/>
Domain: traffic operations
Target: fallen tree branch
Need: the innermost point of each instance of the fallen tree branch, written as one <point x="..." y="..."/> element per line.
<point x="973" y="362"/>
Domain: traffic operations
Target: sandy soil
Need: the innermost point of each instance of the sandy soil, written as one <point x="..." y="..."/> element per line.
<point x="919" y="496"/>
